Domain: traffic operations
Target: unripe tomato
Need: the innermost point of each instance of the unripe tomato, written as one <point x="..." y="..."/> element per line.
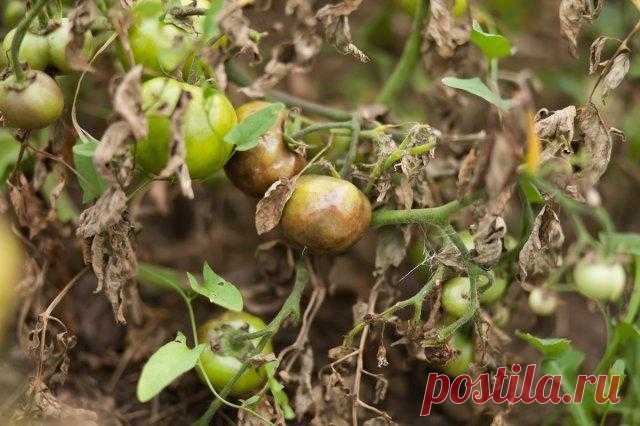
<point x="161" y="47"/>
<point x="255" y="170"/>
<point x="600" y="280"/>
<point x="222" y="362"/>
<point x="35" y="105"/>
<point x="207" y="119"/>
<point x="326" y="214"/>
<point x="59" y="39"/>
<point x="10" y="267"/>
<point x="14" y="11"/>
<point x="34" y="50"/>
<point x="461" y="362"/>
<point x="456" y="293"/>
<point x="543" y="302"/>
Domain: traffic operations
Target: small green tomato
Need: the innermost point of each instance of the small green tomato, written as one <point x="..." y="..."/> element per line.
<point x="225" y="359"/>
<point x="10" y="266"/>
<point x="35" y="104"/>
<point x="542" y="301"/>
<point x="600" y="280"/>
<point x="461" y="362"/>
<point x="325" y="214"/>
<point x="209" y="116"/>
<point x="34" y="50"/>
<point x="456" y="294"/>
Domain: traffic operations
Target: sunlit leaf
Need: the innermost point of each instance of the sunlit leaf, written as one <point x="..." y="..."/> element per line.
<point x="493" y="46"/>
<point x="475" y="86"/>
<point x="217" y="289"/>
<point x="246" y="134"/>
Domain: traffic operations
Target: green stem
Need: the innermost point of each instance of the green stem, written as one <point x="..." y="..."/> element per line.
<point x="21" y="30"/>
<point x="416" y="300"/>
<point x="353" y="147"/>
<point x="433" y="215"/>
<point x="322" y="126"/>
<point x="275" y="95"/>
<point x="409" y="59"/>
<point x="291" y="308"/>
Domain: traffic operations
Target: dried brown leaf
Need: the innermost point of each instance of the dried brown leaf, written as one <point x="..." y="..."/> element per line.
<point x="446" y="31"/>
<point x="595" y="53"/>
<point x="488" y="240"/>
<point x="573" y="15"/>
<point x="540" y="251"/>
<point x="81" y="18"/>
<point x="597" y="144"/>
<point x="269" y="208"/>
<point x="616" y="74"/>
<point x="127" y="102"/>
<point x="391" y="248"/>
<point x="335" y="20"/>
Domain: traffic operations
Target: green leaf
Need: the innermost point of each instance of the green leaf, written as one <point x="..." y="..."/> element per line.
<point x="91" y="182"/>
<point x="277" y="390"/>
<point x="619" y="242"/>
<point x="475" y="86"/>
<point x="217" y="289"/>
<point x="210" y="26"/>
<point x="493" y="46"/>
<point x="167" y="364"/>
<point x="246" y="134"/>
<point x="531" y="192"/>
<point x="549" y="347"/>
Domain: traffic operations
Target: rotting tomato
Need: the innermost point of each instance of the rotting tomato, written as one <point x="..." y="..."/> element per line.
<point x="460" y="363"/>
<point x="162" y="47"/>
<point x="223" y="356"/>
<point x="34" y="104"/>
<point x="255" y="170"/>
<point x="10" y="266"/>
<point x="456" y="293"/>
<point x="542" y="301"/>
<point x="13" y="12"/>
<point x="326" y="214"/>
<point x="59" y="39"/>
<point x="34" y="50"/>
<point x="208" y="117"/>
<point x="599" y="279"/>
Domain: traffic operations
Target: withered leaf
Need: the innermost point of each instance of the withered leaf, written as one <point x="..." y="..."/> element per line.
<point x="266" y="409"/>
<point x="335" y="19"/>
<point x="539" y="253"/>
<point x="391" y="248"/>
<point x="550" y="126"/>
<point x="445" y="30"/>
<point x="488" y="240"/>
<point x="177" y="163"/>
<point x="80" y="19"/>
<point x="235" y="25"/>
<point x="269" y="208"/>
<point x="573" y="15"/>
<point x="114" y="145"/>
<point x="105" y="213"/>
<point x="127" y="102"/>
<point x="616" y="74"/>
<point x="597" y="144"/>
<point x="595" y="53"/>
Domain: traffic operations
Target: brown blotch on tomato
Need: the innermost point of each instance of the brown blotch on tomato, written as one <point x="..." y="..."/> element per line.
<point x="326" y="214"/>
<point x="255" y="170"/>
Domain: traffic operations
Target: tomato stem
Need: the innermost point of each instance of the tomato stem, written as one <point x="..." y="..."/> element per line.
<point x="21" y="31"/>
<point x="409" y="59"/>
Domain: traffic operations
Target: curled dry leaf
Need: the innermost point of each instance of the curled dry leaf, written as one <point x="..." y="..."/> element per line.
<point x="81" y="17"/>
<point x="269" y="208"/>
<point x="556" y="125"/>
<point x="595" y="53"/>
<point x="29" y="208"/>
<point x="616" y="74"/>
<point x="105" y="213"/>
<point x="488" y="240"/>
<point x="127" y="102"/>
<point x="444" y="30"/>
<point x="540" y="251"/>
<point x="504" y="160"/>
<point x="115" y="148"/>
<point x="573" y="15"/>
<point x="335" y="20"/>
<point x="177" y="163"/>
<point x="266" y="409"/>
<point x="391" y="248"/>
<point x="235" y="25"/>
<point x="597" y="144"/>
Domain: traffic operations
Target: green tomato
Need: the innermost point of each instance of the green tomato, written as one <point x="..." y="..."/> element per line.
<point x="542" y="301"/>
<point x="161" y="47"/>
<point x="10" y="267"/>
<point x="456" y="294"/>
<point x="325" y="214"/>
<point x="227" y="359"/>
<point x="34" y="50"/>
<point x="209" y="116"/>
<point x="59" y="39"/>
<point x="255" y="170"/>
<point x="600" y="280"/>
<point x="35" y="105"/>
<point x="14" y="11"/>
<point x="460" y="363"/>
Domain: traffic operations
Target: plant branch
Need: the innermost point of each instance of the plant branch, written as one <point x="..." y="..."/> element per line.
<point x="322" y="126"/>
<point x="353" y="146"/>
<point x="18" y="36"/>
<point x="433" y="215"/>
<point x="409" y="59"/>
